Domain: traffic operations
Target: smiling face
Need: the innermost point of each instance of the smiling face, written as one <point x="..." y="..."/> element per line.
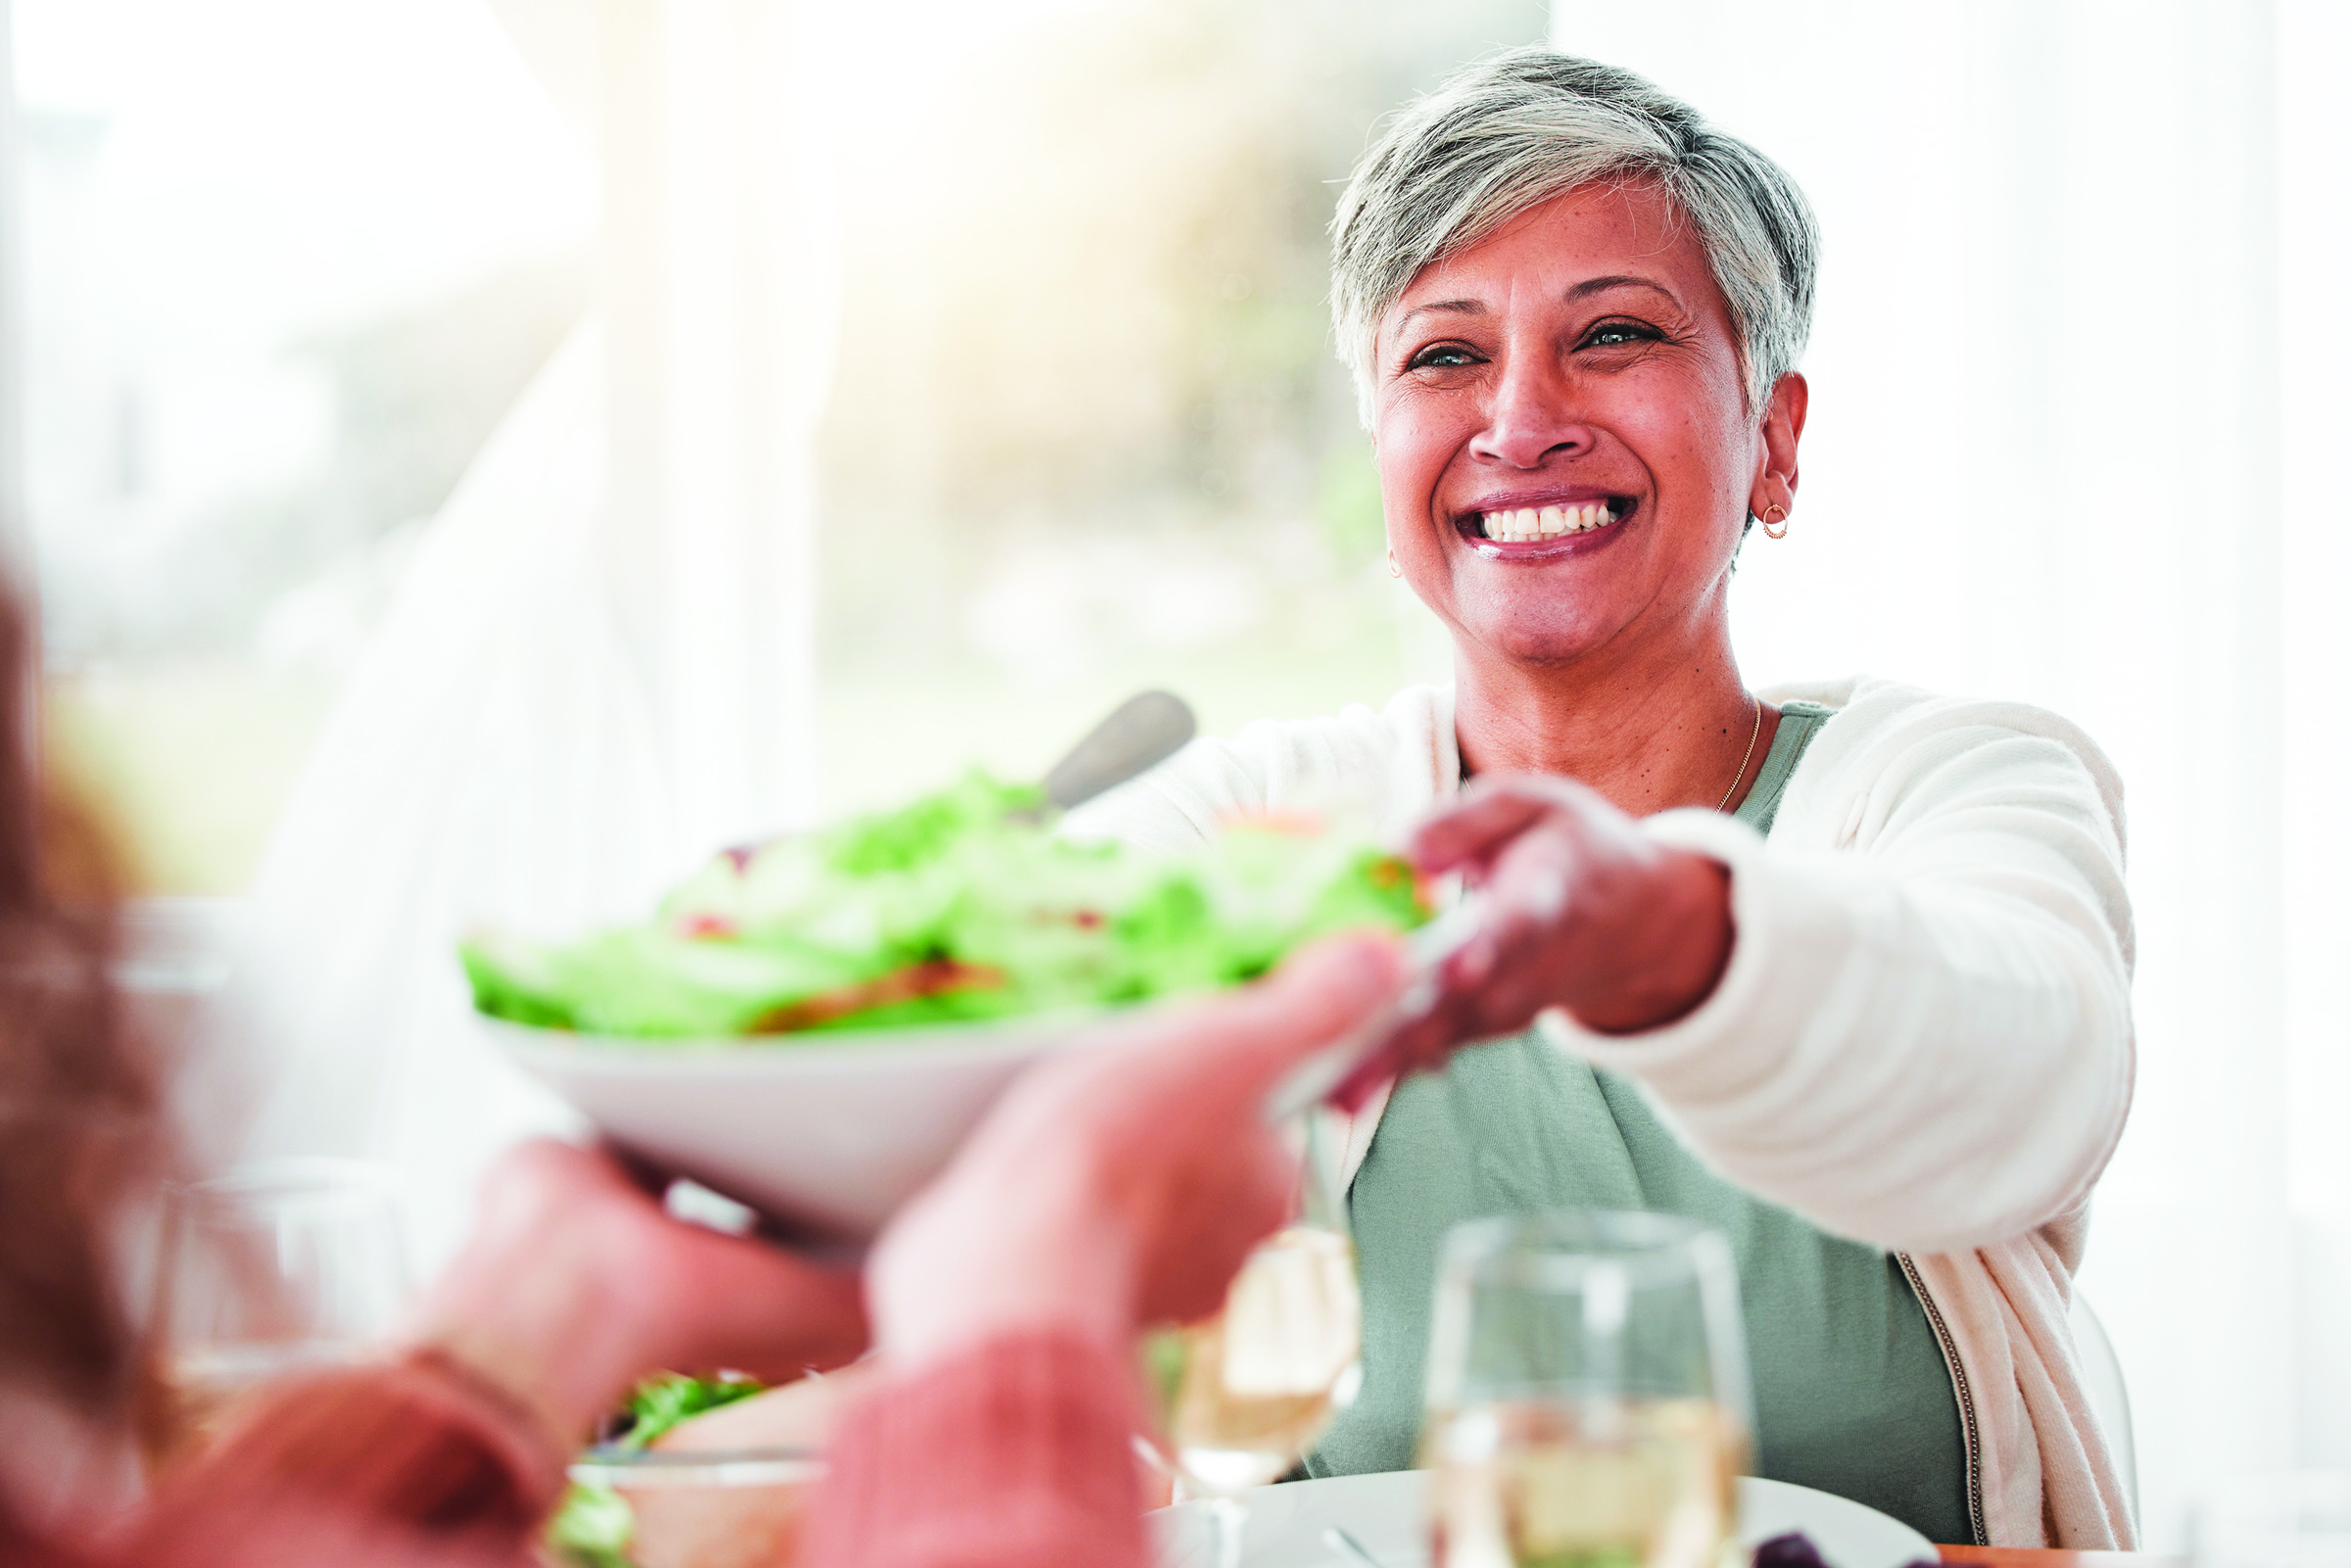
<point x="1565" y="455"/>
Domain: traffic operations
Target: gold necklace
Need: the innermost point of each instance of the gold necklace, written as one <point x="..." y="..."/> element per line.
<point x="1744" y="759"/>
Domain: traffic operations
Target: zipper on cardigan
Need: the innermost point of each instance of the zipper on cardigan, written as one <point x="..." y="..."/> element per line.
<point x="1965" y="1396"/>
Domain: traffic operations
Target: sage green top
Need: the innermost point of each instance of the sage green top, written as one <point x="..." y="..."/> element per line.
<point x="1851" y="1392"/>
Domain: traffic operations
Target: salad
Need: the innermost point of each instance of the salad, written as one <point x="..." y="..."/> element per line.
<point x="964" y="904"/>
<point x="593" y="1526"/>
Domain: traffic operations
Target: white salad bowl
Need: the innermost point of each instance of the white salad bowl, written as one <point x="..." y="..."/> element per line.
<point x="829" y="1132"/>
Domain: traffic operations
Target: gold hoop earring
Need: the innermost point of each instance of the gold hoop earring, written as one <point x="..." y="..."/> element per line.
<point x="1780" y="532"/>
<point x="1394" y="570"/>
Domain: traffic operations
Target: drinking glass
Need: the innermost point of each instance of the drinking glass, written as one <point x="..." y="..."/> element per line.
<point x="277" y="1269"/>
<point x="2292" y="1519"/>
<point x="1588" y="1402"/>
<point x="1244" y="1394"/>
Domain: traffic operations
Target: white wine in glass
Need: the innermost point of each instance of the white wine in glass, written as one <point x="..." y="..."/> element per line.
<point x="1248" y="1390"/>
<point x="1588" y="1397"/>
<point x="1535" y="1485"/>
<point x="1244" y="1394"/>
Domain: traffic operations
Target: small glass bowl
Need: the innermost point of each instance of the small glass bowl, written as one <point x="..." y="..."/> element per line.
<point x="707" y="1508"/>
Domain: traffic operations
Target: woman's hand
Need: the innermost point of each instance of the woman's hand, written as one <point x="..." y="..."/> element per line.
<point x="1582" y="911"/>
<point x="575" y="1284"/>
<point x="1120" y="1185"/>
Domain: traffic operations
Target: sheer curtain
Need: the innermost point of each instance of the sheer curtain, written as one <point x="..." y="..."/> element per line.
<point x="2075" y="401"/>
<point x="601" y="664"/>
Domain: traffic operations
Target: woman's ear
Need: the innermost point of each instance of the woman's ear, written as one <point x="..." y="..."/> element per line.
<point x="1783" y="429"/>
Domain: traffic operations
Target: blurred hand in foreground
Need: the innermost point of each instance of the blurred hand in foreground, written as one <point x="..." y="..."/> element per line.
<point x="575" y="1283"/>
<point x="1121" y="1185"/>
<point x="1581" y="911"/>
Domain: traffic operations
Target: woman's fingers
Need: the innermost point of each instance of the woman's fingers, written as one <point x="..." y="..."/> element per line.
<point x="1491" y="813"/>
<point x="1508" y="971"/>
<point x="1473" y="832"/>
<point x="1577" y="910"/>
<point x="1524" y="911"/>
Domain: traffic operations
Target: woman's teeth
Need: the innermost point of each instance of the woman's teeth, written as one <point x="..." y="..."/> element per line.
<point x="1544" y="522"/>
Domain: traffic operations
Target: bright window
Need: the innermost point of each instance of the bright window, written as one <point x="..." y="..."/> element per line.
<point x="1087" y="433"/>
<point x="288" y="261"/>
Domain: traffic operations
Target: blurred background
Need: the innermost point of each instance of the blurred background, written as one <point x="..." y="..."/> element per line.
<point x="479" y="455"/>
<point x="289" y="263"/>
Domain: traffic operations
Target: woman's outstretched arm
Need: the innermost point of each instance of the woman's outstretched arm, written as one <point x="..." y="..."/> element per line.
<point x="1907" y="1019"/>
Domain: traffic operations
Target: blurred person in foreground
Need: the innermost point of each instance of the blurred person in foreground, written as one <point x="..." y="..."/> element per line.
<point x="1840" y="968"/>
<point x="1117" y="1187"/>
<point x="448" y="1450"/>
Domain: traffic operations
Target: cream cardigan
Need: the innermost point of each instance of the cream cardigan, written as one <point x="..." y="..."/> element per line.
<point x="1922" y="1041"/>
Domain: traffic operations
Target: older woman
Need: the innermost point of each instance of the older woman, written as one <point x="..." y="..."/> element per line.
<point x="1842" y="969"/>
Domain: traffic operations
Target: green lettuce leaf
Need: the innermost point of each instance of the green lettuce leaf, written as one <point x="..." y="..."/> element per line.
<point x="661" y="1402"/>
<point x="968" y="892"/>
<point x="592" y="1528"/>
<point x="592" y="1525"/>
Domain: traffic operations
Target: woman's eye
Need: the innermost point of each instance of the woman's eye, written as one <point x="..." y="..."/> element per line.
<point x="1616" y="334"/>
<point x="1441" y="356"/>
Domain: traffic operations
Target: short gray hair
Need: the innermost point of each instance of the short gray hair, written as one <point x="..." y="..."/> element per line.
<point x="1514" y="131"/>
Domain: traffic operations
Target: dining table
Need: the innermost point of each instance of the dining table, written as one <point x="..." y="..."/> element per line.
<point x="2051" y="1557"/>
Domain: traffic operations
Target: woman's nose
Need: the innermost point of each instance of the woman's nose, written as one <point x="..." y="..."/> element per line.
<point x="1530" y="418"/>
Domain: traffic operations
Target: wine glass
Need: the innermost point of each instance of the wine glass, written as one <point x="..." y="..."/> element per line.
<point x="281" y="1267"/>
<point x="1588" y="1399"/>
<point x="1245" y="1393"/>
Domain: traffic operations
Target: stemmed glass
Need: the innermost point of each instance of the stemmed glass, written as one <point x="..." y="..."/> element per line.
<point x="1244" y="1394"/>
<point x="1588" y="1402"/>
<point x="279" y="1268"/>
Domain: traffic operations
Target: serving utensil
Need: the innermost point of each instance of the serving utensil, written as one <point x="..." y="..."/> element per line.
<point x="1141" y="732"/>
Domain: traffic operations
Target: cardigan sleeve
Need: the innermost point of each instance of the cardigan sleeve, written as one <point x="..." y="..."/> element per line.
<point x="1923" y="1038"/>
<point x="1016" y="1453"/>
